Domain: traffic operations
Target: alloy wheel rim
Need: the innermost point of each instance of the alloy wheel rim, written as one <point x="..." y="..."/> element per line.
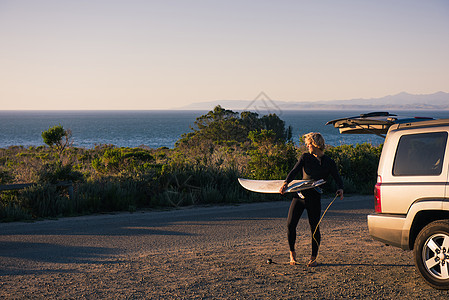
<point x="436" y="256"/>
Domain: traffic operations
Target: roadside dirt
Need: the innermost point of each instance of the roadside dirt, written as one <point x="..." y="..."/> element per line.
<point x="205" y="253"/>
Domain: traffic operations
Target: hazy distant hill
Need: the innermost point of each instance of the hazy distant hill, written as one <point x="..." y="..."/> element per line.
<point x="401" y="101"/>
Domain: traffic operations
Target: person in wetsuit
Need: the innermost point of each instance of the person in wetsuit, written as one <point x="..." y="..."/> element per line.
<point x="313" y="165"/>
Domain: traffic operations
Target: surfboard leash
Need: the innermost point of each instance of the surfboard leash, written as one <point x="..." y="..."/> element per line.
<point x="316" y="228"/>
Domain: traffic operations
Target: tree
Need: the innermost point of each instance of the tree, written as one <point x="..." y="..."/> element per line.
<point x="57" y="137"/>
<point x="270" y="158"/>
<point x="222" y="126"/>
<point x="274" y="123"/>
<point x="222" y="132"/>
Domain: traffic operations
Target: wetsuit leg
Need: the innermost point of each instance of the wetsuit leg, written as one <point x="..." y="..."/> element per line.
<point x="294" y="214"/>
<point x="313" y="206"/>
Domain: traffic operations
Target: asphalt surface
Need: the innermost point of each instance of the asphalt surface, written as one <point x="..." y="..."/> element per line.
<point x="82" y="239"/>
<point x="212" y="252"/>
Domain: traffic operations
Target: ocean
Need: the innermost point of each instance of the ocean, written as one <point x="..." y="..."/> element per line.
<point x="157" y="129"/>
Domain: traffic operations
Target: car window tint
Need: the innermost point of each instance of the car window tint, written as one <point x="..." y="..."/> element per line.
<point x="420" y="154"/>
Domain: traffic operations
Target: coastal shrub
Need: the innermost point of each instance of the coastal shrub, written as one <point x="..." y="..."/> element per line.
<point x="87" y="199"/>
<point x="210" y="194"/>
<point x="358" y="164"/>
<point x="146" y="178"/>
<point x="217" y="125"/>
<point x="174" y="198"/>
<point x="45" y="200"/>
<point x="121" y="161"/>
<point x="56" y="171"/>
<point x="198" y="184"/>
<point x="10" y="212"/>
<point x="221" y="126"/>
<point x="273" y="123"/>
<point x="12" y="208"/>
<point x="5" y="176"/>
<point x="112" y="159"/>
<point x="203" y="168"/>
<point x="98" y="165"/>
<point x="57" y="137"/>
<point x="269" y="159"/>
<point x="349" y="187"/>
<point x="110" y="194"/>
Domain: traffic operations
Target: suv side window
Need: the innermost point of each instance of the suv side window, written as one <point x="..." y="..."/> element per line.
<point x="420" y="154"/>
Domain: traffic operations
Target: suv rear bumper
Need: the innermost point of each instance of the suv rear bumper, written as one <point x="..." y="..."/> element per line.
<point x="389" y="229"/>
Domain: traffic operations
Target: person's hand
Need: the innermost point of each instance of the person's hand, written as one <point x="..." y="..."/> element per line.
<point x="340" y="194"/>
<point x="283" y="188"/>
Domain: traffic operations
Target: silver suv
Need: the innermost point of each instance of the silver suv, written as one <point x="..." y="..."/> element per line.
<point x="412" y="189"/>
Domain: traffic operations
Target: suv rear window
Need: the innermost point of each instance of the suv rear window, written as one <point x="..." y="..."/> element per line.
<point x="420" y="154"/>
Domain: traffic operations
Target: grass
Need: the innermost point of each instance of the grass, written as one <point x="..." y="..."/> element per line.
<point x="108" y="178"/>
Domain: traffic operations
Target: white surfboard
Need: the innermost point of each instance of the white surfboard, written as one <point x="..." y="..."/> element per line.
<point x="273" y="186"/>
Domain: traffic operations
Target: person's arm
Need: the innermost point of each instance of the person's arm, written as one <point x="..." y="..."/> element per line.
<point x="283" y="188"/>
<point x="291" y="175"/>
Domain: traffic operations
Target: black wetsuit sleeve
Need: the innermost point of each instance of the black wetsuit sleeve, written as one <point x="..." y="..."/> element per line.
<point x="310" y="168"/>
<point x="296" y="169"/>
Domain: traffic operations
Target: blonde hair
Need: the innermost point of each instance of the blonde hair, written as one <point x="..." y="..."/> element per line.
<point x="316" y="139"/>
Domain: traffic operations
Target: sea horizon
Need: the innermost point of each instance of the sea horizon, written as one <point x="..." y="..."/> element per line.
<point x="160" y="128"/>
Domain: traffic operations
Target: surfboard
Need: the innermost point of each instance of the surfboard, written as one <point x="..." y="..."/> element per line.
<point x="273" y="186"/>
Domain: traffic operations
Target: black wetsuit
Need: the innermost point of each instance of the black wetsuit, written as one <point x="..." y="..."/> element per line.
<point x="311" y="168"/>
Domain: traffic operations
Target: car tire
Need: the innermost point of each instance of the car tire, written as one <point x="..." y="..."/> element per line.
<point x="431" y="251"/>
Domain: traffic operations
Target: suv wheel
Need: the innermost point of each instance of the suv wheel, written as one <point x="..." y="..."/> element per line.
<point x="431" y="252"/>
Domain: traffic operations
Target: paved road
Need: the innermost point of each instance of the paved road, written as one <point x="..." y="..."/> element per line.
<point x="203" y="252"/>
<point x="81" y="239"/>
<point x="87" y="238"/>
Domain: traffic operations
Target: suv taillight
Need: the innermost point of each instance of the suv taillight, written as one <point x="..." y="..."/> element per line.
<point x="377" y="202"/>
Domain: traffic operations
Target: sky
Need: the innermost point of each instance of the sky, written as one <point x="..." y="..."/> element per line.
<point x="164" y="54"/>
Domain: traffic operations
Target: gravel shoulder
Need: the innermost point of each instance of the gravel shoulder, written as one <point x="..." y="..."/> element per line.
<point x="215" y="252"/>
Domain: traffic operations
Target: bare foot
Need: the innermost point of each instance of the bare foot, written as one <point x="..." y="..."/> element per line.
<point x="312" y="263"/>
<point x="292" y="258"/>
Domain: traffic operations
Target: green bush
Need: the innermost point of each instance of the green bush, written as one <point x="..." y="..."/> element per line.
<point x="5" y="176"/>
<point x="54" y="137"/>
<point x="45" y="200"/>
<point x="269" y="159"/>
<point x="55" y="171"/>
<point x="203" y="168"/>
<point x="110" y="194"/>
<point x="210" y="194"/>
<point x="12" y="208"/>
<point x="358" y="164"/>
<point x="123" y="161"/>
<point x="11" y="212"/>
